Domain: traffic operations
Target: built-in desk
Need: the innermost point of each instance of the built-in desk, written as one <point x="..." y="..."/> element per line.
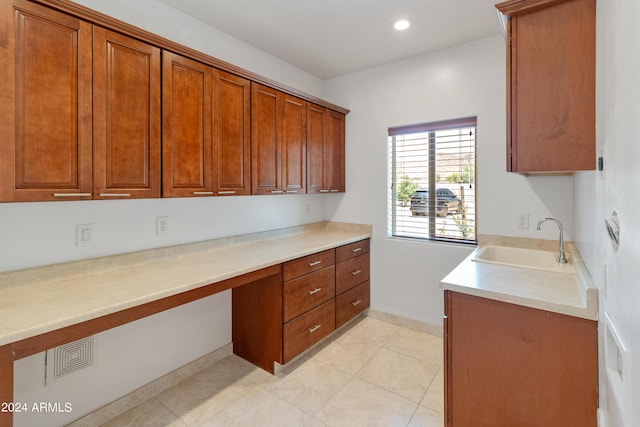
<point x="44" y="307"/>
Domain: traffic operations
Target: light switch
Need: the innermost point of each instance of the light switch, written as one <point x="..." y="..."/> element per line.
<point x="84" y="234"/>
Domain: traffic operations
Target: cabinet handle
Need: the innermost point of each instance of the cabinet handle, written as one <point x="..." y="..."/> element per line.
<point x="356" y="250"/>
<point x="291" y="191"/>
<point x="71" y="194"/>
<point x="227" y="192"/>
<point x="334" y="191"/>
<point x="276" y="191"/>
<point x="314" y="328"/>
<point x="356" y="302"/>
<point x="203" y="193"/>
<point x="324" y="191"/>
<point x="356" y="272"/>
<point x="115" y="195"/>
<point x="315" y="291"/>
<point x="312" y="264"/>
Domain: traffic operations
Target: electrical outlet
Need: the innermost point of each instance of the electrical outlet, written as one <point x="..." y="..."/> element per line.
<point x="84" y="234"/>
<point x="522" y="221"/>
<point x="162" y="225"/>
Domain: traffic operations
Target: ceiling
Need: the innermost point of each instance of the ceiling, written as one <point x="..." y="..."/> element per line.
<point x="328" y="38"/>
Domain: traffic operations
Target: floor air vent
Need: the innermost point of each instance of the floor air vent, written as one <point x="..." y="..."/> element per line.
<point x="66" y="359"/>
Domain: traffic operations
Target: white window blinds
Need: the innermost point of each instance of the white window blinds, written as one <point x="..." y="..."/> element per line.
<point x="432" y="175"/>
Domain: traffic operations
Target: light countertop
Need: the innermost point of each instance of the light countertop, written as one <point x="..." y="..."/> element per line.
<point x="571" y="294"/>
<point x="43" y="299"/>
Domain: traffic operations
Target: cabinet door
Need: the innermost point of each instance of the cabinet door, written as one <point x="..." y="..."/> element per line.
<point x="316" y="135"/>
<point x="325" y="150"/>
<point x="293" y="145"/>
<point x="232" y="134"/>
<point x="187" y="158"/>
<point x="45" y="113"/>
<point x="552" y="88"/>
<point x="265" y="140"/>
<point x="334" y="152"/>
<point x="508" y="365"/>
<point x="126" y="117"/>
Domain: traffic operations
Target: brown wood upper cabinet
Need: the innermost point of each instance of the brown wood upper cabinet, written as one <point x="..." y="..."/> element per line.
<point x="231" y="134"/>
<point x="187" y="159"/>
<point x="45" y="112"/>
<point x="126" y="117"/>
<point x="550" y="85"/>
<point x="325" y="150"/>
<point x="278" y="142"/>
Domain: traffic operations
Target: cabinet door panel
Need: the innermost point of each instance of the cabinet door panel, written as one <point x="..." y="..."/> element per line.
<point x="187" y="134"/>
<point x="334" y="152"/>
<point x="46" y="106"/>
<point x="265" y="140"/>
<point x="316" y="135"/>
<point x="508" y="365"/>
<point x="293" y="133"/>
<point x="126" y="116"/>
<point x="232" y="134"/>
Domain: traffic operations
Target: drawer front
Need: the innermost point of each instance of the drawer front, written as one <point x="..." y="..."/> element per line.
<point x="308" y="264"/>
<point x="308" y="291"/>
<point x="352" y="302"/>
<point x="352" y="272"/>
<point x="306" y="330"/>
<point x="352" y="250"/>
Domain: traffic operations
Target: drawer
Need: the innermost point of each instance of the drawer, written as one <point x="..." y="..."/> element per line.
<point x="306" y="330"/>
<point x="306" y="292"/>
<point x="352" y="302"/>
<point x="301" y="266"/>
<point x="352" y="272"/>
<point x="352" y="250"/>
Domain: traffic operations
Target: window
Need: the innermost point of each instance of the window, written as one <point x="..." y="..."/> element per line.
<point x="432" y="174"/>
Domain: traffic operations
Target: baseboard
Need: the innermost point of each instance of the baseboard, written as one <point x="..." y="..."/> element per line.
<point x="406" y="322"/>
<point x="146" y="392"/>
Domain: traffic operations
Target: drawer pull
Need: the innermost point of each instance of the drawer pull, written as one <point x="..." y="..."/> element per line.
<point x="314" y="328"/>
<point x="356" y="250"/>
<point x="203" y="193"/>
<point x="115" y="195"/>
<point x="315" y="291"/>
<point x="334" y="191"/>
<point x="355" y="273"/>
<point x="291" y="191"/>
<point x="313" y="264"/>
<point x="356" y="302"/>
<point x="71" y="194"/>
<point x="324" y="191"/>
<point x="227" y="192"/>
<point x="277" y="191"/>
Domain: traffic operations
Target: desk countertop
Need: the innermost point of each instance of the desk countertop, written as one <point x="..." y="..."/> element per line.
<point x="43" y="299"/>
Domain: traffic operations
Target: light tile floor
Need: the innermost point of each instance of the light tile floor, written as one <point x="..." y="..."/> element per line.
<point x="372" y="373"/>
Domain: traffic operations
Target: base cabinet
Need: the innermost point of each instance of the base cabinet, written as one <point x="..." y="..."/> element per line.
<point x="509" y="365"/>
<point x="277" y="318"/>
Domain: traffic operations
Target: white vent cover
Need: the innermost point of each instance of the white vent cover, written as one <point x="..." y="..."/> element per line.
<point x="69" y="358"/>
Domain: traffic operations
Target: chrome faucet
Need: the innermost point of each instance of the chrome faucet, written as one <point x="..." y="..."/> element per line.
<point x="561" y="258"/>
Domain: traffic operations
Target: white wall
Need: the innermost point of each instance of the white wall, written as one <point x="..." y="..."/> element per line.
<point x="598" y="194"/>
<point x="466" y="80"/>
<point x="42" y="233"/>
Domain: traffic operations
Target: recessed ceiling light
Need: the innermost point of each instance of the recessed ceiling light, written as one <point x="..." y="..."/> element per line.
<point x="401" y="24"/>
